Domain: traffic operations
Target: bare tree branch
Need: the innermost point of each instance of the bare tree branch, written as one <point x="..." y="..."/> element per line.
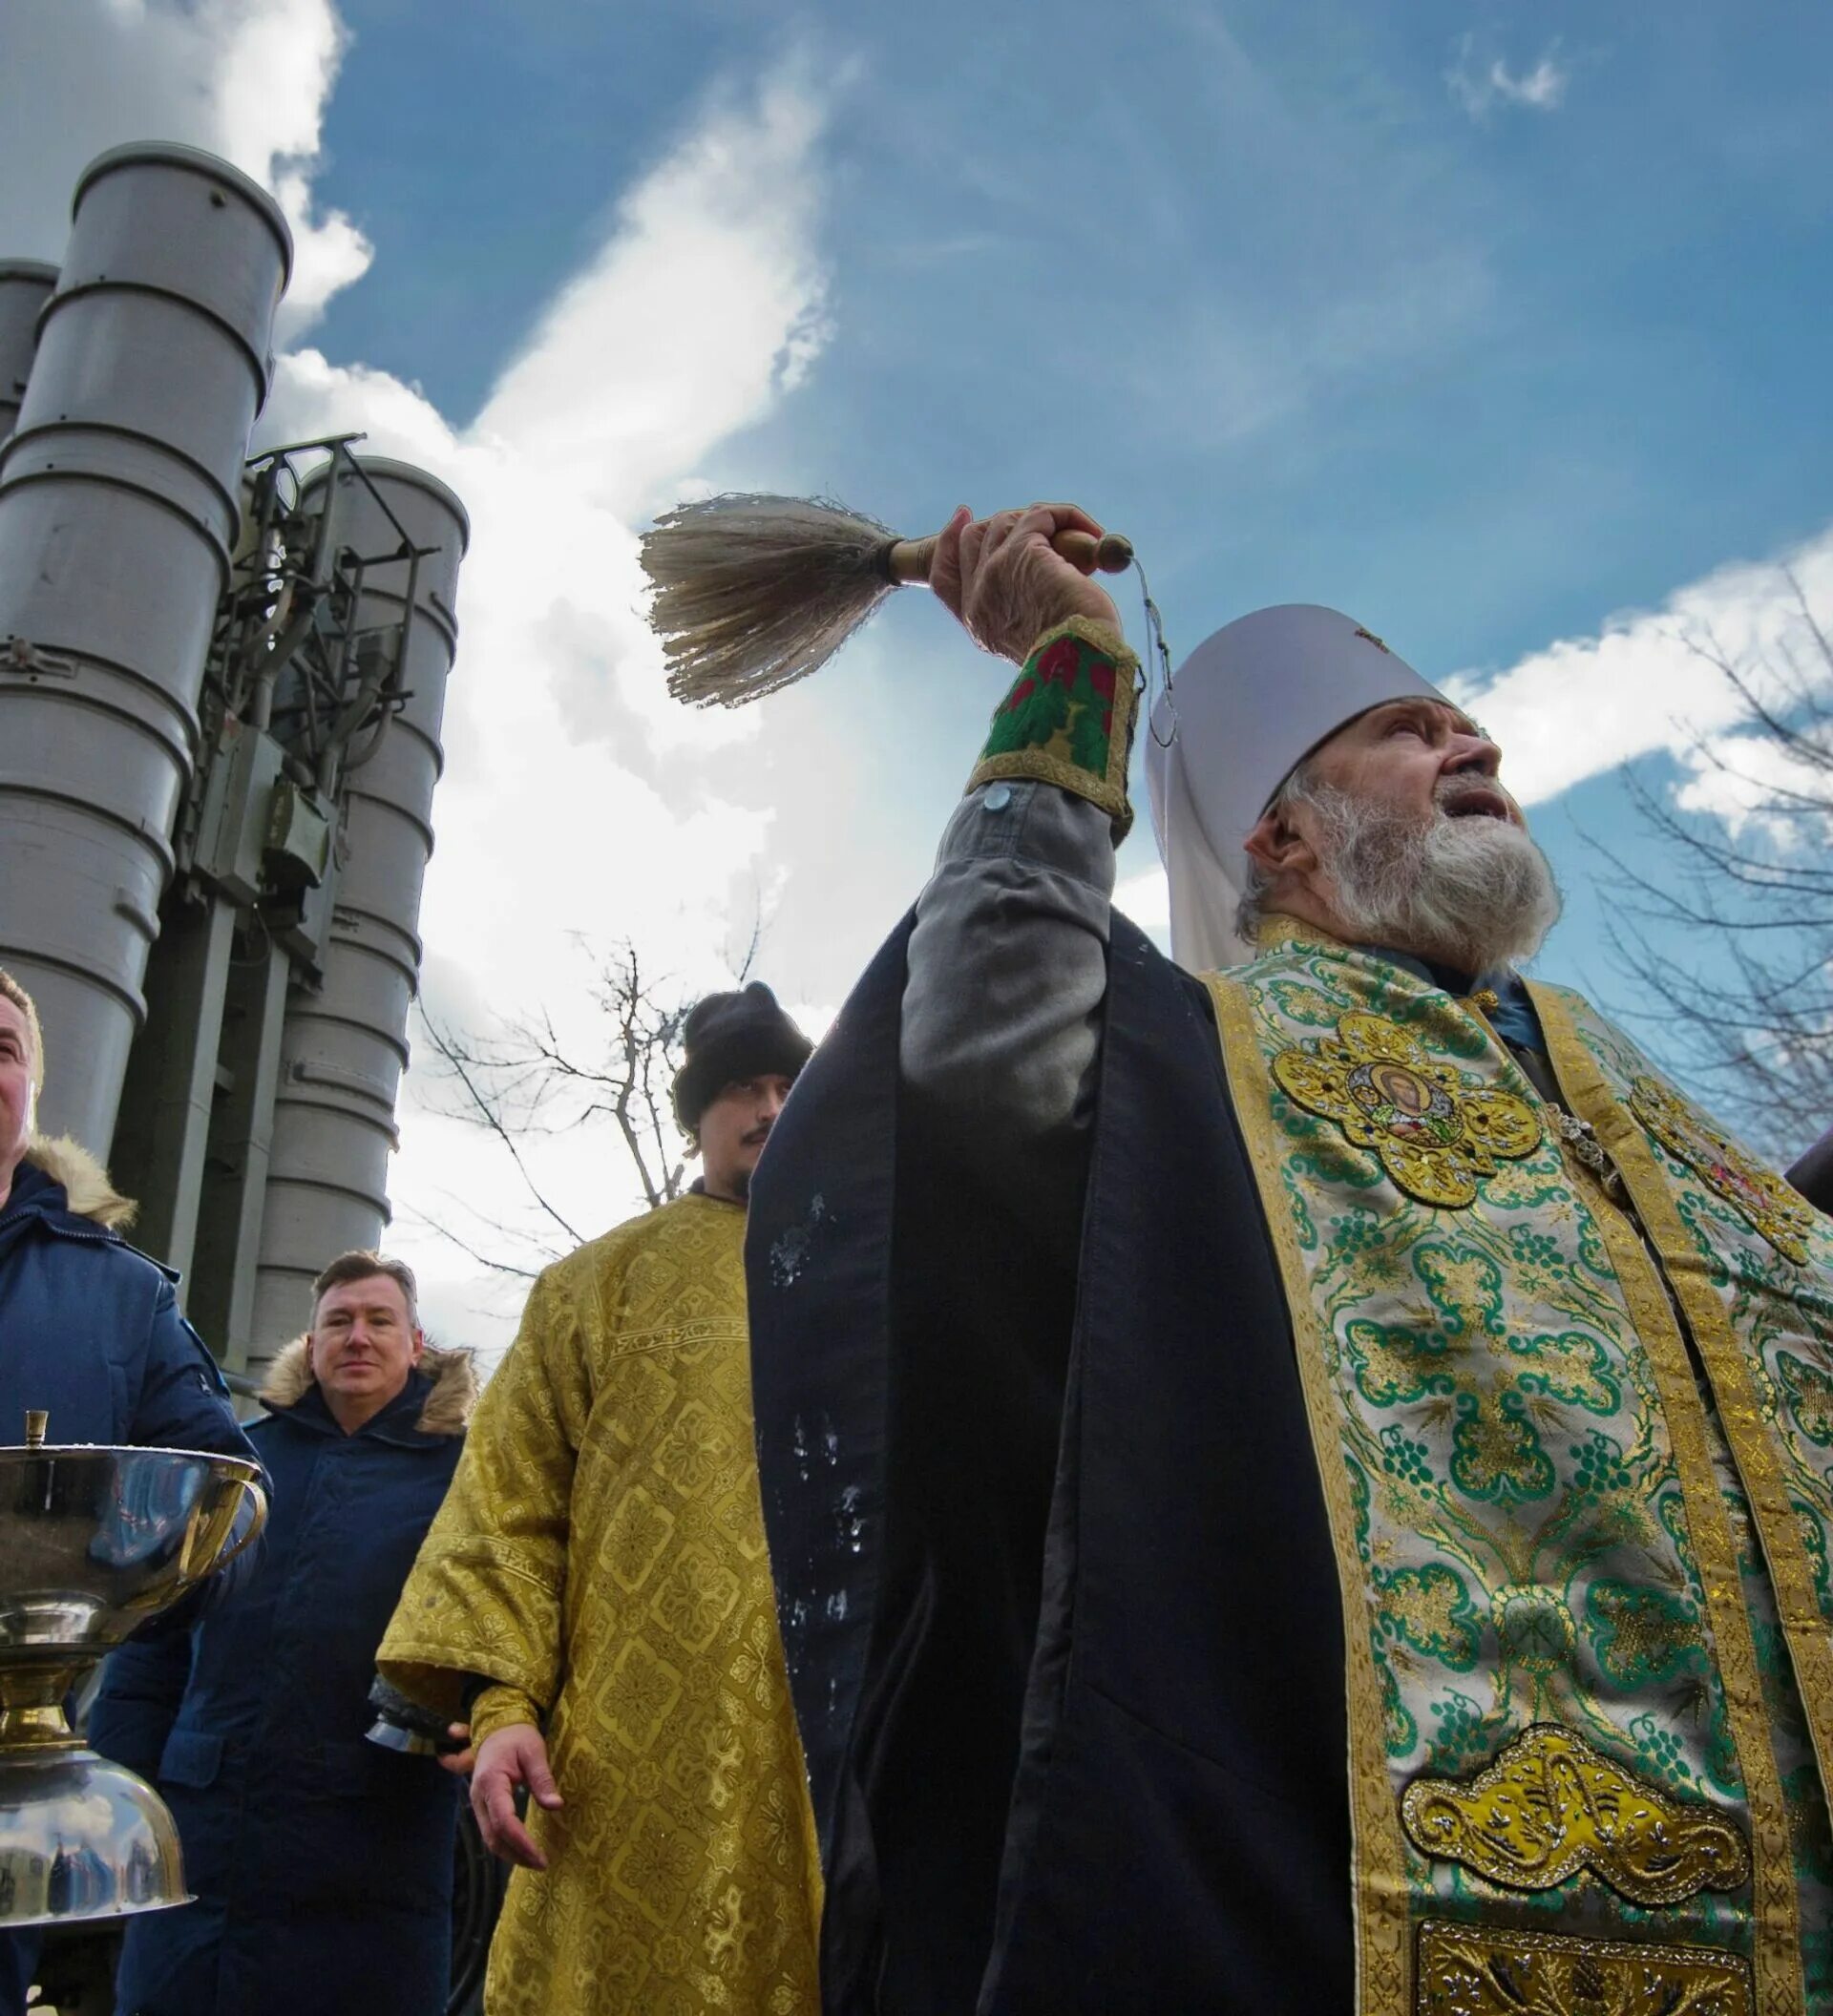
<point x="464" y="1245"/>
<point x="1727" y="938"/>
<point x="522" y="1081"/>
<point x="488" y="1113"/>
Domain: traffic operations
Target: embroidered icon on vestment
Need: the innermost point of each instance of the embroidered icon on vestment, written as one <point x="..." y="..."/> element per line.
<point x="1479" y="1971"/>
<point x="1550" y="1805"/>
<point x="1757" y="1192"/>
<point x="1434" y="1131"/>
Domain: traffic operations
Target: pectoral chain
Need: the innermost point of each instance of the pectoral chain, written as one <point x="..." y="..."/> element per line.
<point x="1590" y="1153"/>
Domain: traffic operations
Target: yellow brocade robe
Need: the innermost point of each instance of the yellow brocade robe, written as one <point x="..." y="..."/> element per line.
<point x="601" y="1558"/>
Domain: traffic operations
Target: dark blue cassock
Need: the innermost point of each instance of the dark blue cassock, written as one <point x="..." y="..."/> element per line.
<point x="1053" y="1567"/>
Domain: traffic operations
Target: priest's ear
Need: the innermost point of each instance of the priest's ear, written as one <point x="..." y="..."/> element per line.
<point x="1277" y="846"/>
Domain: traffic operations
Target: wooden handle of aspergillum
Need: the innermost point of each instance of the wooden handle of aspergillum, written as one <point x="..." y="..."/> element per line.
<point x="908" y="559"/>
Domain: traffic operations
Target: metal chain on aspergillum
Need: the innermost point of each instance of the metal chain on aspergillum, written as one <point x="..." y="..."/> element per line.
<point x="1158" y="652"/>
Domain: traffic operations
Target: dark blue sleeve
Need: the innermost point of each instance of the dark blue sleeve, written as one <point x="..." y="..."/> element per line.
<point x="142" y="1685"/>
<point x="1813" y="1174"/>
<point x="185" y="1404"/>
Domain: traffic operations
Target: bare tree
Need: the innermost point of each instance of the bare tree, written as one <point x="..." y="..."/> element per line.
<point x="520" y="1083"/>
<point x="1728" y="935"/>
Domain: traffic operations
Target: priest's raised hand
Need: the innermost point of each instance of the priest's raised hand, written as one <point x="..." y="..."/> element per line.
<point x="1007" y="584"/>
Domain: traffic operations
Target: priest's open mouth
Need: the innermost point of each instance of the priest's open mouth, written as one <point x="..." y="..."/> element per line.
<point x="1485" y="805"/>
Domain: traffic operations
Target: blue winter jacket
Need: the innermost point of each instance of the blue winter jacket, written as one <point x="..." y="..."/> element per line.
<point x="90" y="1330"/>
<point x="322" y="1863"/>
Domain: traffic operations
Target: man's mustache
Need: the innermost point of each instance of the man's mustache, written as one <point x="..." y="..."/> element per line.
<point x="758" y="1135"/>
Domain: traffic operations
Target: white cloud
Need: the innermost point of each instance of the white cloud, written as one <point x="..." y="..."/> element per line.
<point x="578" y="802"/>
<point x="706" y="300"/>
<point x="1749" y="780"/>
<point x="1146" y="898"/>
<point x="1480" y="86"/>
<point x="1648" y="680"/>
<point x="248" y="79"/>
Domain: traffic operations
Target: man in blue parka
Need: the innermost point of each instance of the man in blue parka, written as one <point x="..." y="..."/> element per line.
<point x="321" y="1863"/>
<point x="90" y="1329"/>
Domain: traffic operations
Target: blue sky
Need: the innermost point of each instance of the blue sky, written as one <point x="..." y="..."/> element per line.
<point x="1256" y="278"/>
<point x="1502" y="328"/>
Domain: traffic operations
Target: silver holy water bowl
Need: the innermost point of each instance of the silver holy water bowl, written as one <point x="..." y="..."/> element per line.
<point x="94" y="1541"/>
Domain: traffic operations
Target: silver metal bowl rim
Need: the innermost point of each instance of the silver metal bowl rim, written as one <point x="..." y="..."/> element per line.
<point x="239" y="1466"/>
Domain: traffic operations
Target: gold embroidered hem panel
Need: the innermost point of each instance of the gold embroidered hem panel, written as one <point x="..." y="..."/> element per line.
<point x="1469" y="1972"/>
<point x="1584" y="1589"/>
<point x="1550" y="1805"/>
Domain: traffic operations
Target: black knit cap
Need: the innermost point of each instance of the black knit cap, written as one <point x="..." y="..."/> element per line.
<point x="732" y="1035"/>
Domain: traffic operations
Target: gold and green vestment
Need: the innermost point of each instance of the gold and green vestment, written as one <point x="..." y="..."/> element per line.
<point x="602" y="1560"/>
<point x="1570" y="1389"/>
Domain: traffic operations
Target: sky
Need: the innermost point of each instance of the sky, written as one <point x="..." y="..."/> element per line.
<point x="1500" y="326"/>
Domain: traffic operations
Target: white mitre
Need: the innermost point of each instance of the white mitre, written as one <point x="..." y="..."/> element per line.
<point x="1246" y="707"/>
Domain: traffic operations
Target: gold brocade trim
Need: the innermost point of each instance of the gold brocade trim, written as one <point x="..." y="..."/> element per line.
<point x="1277" y="930"/>
<point x="1434" y="1130"/>
<point x="1777" y="1934"/>
<point x="499" y="1707"/>
<point x="1550" y="1806"/>
<point x="1039" y="765"/>
<point x="1741" y="1406"/>
<point x="1759" y="1197"/>
<point x="1477" y="1971"/>
<point x="1379" y="1879"/>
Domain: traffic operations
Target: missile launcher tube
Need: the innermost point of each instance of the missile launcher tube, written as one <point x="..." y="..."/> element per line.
<point x="24" y="287"/>
<point x="345" y="1042"/>
<point x="119" y="506"/>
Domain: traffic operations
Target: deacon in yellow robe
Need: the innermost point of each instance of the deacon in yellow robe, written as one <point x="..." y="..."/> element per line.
<point x="599" y="1566"/>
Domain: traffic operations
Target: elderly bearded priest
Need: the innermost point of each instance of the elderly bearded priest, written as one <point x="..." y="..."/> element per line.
<point x="1327" y="1505"/>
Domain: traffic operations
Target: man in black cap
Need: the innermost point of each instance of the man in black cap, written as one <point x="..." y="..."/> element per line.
<point x="743" y="1056"/>
<point x="595" y="1595"/>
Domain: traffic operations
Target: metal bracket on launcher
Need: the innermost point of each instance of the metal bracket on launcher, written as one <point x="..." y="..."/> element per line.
<point x="21" y="657"/>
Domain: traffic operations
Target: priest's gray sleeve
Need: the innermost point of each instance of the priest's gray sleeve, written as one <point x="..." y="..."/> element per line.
<point x="1002" y="1007"/>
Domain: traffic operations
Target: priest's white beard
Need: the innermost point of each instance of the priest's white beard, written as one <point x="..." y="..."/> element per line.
<point x="1473" y="892"/>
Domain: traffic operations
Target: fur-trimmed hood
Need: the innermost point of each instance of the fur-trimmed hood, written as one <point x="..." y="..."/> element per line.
<point x="447" y="1408"/>
<point x="87" y="1189"/>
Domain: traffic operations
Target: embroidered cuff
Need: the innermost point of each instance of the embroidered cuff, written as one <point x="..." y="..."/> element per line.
<point x="497" y="1708"/>
<point x="1069" y="719"/>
